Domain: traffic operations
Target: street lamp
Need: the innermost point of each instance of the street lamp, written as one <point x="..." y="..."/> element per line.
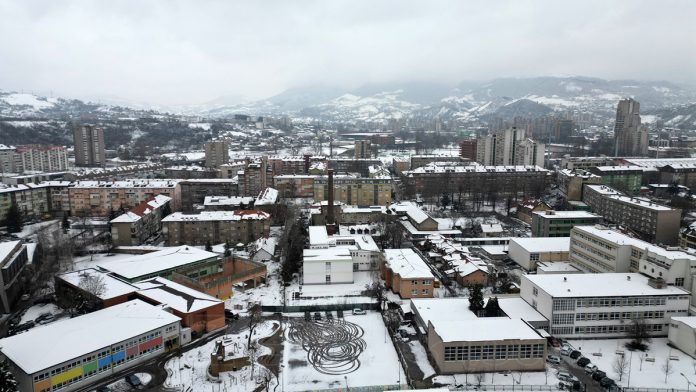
<point x="346" y="378"/>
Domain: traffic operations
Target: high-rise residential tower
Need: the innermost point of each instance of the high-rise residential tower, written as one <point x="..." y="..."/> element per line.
<point x="630" y="138"/>
<point x="89" y="145"/>
<point x="216" y="153"/>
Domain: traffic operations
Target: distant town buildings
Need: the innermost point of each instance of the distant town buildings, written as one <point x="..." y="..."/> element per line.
<point x="363" y="149"/>
<point x="89" y="145"/>
<point x="509" y="147"/>
<point x="141" y="222"/>
<point x="33" y="158"/>
<point x="215" y="227"/>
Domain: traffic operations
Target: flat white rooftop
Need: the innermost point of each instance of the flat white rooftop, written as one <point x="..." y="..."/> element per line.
<point x="599" y="285"/>
<point x="46" y="346"/>
<point x="155" y="262"/>
<point x="318" y="236"/>
<point x="543" y="244"/>
<point x="618" y="238"/>
<point x="484" y="329"/>
<point x="556" y="267"/>
<point x="455" y="309"/>
<point x="113" y="287"/>
<point x="572" y="214"/>
<point x="688" y="320"/>
<point x="337" y="253"/>
<point x="516" y="307"/>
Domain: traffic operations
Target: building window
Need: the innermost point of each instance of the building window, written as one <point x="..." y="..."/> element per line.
<point x="424" y="291"/>
<point x="450" y="353"/>
<point x="679" y="282"/>
<point x="328" y="278"/>
<point x="535" y="291"/>
<point x="534" y="257"/>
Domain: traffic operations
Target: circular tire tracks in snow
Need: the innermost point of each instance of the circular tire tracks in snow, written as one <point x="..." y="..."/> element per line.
<point x="332" y="347"/>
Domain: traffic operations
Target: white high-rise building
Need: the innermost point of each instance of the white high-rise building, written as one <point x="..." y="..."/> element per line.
<point x="509" y="147"/>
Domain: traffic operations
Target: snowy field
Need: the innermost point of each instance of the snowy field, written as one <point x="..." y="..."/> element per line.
<point x="644" y="374"/>
<point x="190" y="370"/>
<point x="377" y="364"/>
<point x="499" y="378"/>
<point x="270" y="293"/>
<point x="38" y="310"/>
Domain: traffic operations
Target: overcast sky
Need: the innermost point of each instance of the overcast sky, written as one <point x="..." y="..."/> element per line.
<point x="172" y="52"/>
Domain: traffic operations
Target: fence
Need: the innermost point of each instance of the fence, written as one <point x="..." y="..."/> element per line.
<point x="653" y="390"/>
<point x="319" y="308"/>
<point x="371" y="388"/>
<point x="512" y="387"/>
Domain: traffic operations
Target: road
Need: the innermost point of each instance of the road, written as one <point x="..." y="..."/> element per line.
<point x="577" y="371"/>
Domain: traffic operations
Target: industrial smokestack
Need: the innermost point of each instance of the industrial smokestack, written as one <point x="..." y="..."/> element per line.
<point x="330" y="213"/>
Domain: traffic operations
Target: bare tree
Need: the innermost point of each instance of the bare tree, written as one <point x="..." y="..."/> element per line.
<point x="254" y="320"/>
<point x="667" y="368"/>
<point x="639" y="335"/>
<point x="480" y="378"/>
<point x="620" y="366"/>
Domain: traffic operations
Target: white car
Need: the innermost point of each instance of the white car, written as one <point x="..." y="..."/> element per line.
<point x="553" y="359"/>
<point x="565" y="376"/>
<point x="591" y="368"/>
<point x="566" y="350"/>
<point x="357" y="311"/>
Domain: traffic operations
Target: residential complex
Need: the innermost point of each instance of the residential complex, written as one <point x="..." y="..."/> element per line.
<point x="407" y="274"/>
<point x="216" y="153"/>
<point x="509" y="147"/>
<point x="350" y="189"/>
<point x="33" y="158"/>
<point x="13" y="260"/>
<point x="630" y="138"/>
<point x="653" y="222"/>
<point x="97" y="198"/>
<point x="215" y="227"/>
<point x="141" y="222"/>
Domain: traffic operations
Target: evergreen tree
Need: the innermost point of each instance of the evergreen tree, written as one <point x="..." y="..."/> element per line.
<point x="66" y="223"/>
<point x="475" y="299"/>
<point x="445" y="200"/>
<point x="208" y="246"/>
<point x="14" y="219"/>
<point x="8" y="383"/>
<point x="493" y="308"/>
<point x="228" y="252"/>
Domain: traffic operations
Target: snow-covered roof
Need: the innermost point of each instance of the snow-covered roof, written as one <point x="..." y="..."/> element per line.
<point x="318" y="236"/>
<point x="619" y="238"/>
<point x="516" y="307"/>
<point x="175" y="295"/>
<point x="660" y="162"/>
<point x="431" y="168"/>
<point x="599" y="285"/>
<point x="266" y="244"/>
<point x="453" y="309"/>
<point x="156" y="262"/>
<point x="218" y="216"/>
<point x="688" y="320"/>
<point x="407" y="263"/>
<point x="142" y="209"/>
<point x="113" y="287"/>
<point x="608" y="169"/>
<point x="267" y="196"/>
<point x="140" y="183"/>
<point x="50" y="345"/>
<point x="6" y="248"/>
<point x="227" y="200"/>
<point x="543" y="244"/>
<point x="554" y="267"/>
<point x="484" y="330"/>
<point x="339" y="253"/>
<point x="572" y="214"/>
<point x="491" y="228"/>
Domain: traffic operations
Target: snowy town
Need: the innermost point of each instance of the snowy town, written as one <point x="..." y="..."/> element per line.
<point x="493" y="234"/>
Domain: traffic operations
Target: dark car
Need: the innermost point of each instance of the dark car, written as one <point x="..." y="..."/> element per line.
<point x="575" y="354"/>
<point x="103" y="388"/>
<point x="317" y="316"/>
<point x="307" y="316"/>
<point x="582" y="361"/>
<point x="329" y="315"/>
<point x="598" y="375"/>
<point x="133" y="380"/>
<point x="606" y="382"/>
<point x="230" y="315"/>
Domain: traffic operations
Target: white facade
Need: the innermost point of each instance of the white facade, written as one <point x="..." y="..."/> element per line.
<point x="682" y="334"/>
<point x="602" y="305"/>
<point x="327" y="266"/>
<point x="527" y="252"/>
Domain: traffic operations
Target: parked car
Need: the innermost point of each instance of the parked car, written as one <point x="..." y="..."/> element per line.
<point x="570" y="385"/>
<point x="329" y="315"/>
<point x="133" y="380"/>
<point x="598" y="375"/>
<point x="358" y="311"/>
<point x="566" y="350"/>
<point x="582" y="362"/>
<point x="553" y="359"/>
<point x="307" y="316"/>
<point x="48" y="319"/>
<point x="565" y="376"/>
<point x="591" y="368"/>
<point x="575" y="354"/>
<point x="606" y="382"/>
<point x="317" y="316"/>
<point x="103" y="388"/>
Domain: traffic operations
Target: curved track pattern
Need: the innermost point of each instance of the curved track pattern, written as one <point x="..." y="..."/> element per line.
<point x="332" y="347"/>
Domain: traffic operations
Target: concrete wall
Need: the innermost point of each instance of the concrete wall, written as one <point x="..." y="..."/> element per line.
<point x="315" y="272"/>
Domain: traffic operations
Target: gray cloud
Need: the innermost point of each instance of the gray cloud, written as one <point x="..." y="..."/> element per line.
<point x="172" y="52"/>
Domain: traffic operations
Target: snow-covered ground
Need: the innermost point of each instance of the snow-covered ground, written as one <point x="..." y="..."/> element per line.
<point x="379" y="364"/>
<point x="122" y="386"/>
<point x="190" y="370"/>
<point x="270" y="293"/>
<point x="500" y="378"/>
<point x="421" y="358"/>
<point x="38" y="310"/>
<point x="603" y="353"/>
<point x="91" y="261"/>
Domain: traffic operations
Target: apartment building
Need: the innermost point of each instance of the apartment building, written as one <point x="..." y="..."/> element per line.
<point x="572" y="182"/>
<point x="509" y="147"/>
<point x="353" y="190"/>
<point x="421" y="160"/>
<point x="294" y="185"/>
<point x="33" y="200"/>
<point x="13" y="260"/>
<point x="602" y="306"/>
<point x="363" y="149"/>
<point x="553" y="223"/>
<point x="476" y="181"/>
<point x="352" y="165"/>
<point x="216" y="152"/>
<point x="192" y="171"/>
<point x="33" y="158"/>
<point x="255" y="177"/>
<point x="653" y="222"/>
<point x="215" y="227"/>
<point x="97" y="198"/>
<point x="88" y="349"/>
<point x="194" y="191"/>
<point x="363" y="249"/>
<point x="625" y="178"/>
<point x="89" y="145"/>
<point x="407" y="274"/>
<point x="585" y="163"/>
<point x="141" y="222"/>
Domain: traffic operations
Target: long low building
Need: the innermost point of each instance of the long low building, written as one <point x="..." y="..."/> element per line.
<point x="527" y="252"/>
<point x="75" y="353"/>
<point x="603" y="305"/>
